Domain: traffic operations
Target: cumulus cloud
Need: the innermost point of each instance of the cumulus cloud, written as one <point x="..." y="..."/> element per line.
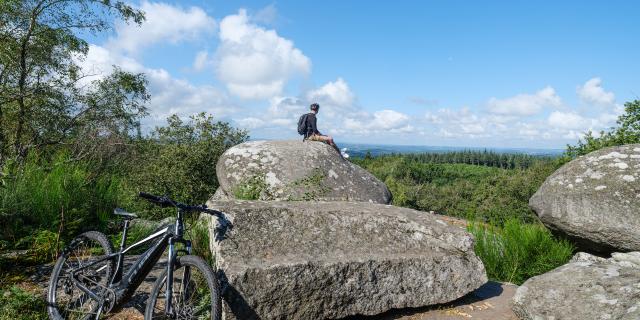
<point x="168" y="94"/>
<point x="334" y="97"/>
<point x="253" y="62"/>
<point x="593" y="93"/>
<point x="380" y="121"/>
<point x="568" y="120"/>
<point x="164" y="23"/>
<point x="525" y="104"/>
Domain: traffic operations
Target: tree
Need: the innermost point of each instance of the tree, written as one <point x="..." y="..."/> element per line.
<point x="45" y="98"/>
<point x="180" y="158"/>
<point x="628" y="131"/>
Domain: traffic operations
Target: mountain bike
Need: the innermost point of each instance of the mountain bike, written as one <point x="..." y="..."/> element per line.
<point x="89" y="280"/>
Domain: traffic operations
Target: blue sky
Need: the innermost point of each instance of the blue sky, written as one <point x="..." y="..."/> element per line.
<point x="455" y="73"/>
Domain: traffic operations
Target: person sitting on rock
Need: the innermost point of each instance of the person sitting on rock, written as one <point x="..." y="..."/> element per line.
<point x="312" y="132"/>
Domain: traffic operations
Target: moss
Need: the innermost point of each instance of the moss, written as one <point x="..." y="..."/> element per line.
<point x="312" y="185"/>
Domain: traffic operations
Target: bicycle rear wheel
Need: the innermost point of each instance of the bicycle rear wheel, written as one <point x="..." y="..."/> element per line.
<point x="196" y="293"/>
<point x="65" y="299"/>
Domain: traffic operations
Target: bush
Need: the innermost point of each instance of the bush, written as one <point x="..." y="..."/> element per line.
<point x="17" y="304"/>
<point x="628" y="131"/>
<point x="518" y="251"/>
<point x="45" y="199"/>
<point x="179" y="160"/>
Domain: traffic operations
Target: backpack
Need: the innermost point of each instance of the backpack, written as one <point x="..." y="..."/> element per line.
<point x="302" y="124"/>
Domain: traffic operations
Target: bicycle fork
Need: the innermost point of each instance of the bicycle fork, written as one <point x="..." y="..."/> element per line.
<point x="171" y="266"/>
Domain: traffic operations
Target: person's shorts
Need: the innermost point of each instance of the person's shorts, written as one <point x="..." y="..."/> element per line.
<point x="317" y="137"/>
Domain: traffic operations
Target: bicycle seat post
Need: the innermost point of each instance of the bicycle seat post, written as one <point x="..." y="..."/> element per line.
<point x="123" y="242"/>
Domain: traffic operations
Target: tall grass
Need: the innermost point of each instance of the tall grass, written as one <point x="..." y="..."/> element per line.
<point x="54" y="200"/>
<point x="517" y="251"/>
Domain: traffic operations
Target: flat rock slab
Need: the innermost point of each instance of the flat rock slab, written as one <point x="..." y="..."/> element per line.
<point x="296" y="170"/>
<point x="588" y="287"/>
<point x="327" y="260"/>
<point x="594" y="200"/>
<point x="492" y="301"/>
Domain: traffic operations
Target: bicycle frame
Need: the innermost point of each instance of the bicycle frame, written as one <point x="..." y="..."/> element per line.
<point x="123" y="286"/>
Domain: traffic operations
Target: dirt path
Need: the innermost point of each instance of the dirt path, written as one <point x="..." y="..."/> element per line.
<point x="489" y="302"/>
<point x="133" y="309"/>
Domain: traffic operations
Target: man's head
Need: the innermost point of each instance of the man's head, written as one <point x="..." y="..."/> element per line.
<point x="314" y="107"/>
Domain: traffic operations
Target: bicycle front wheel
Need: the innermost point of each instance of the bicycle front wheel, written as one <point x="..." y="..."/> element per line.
<point x="65" y="299"/>
<point x="196" y="293"/>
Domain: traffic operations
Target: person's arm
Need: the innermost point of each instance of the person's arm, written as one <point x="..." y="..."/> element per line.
<point x="314" y="126"/>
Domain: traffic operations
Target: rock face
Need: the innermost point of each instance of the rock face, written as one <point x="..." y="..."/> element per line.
<point x="588" y="287"/>
<point x="319" y="260"/>
<point x="594" y="200"/>
<point x="295" y="170"/>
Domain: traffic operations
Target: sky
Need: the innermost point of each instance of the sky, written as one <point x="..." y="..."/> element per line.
<point x="524" y="74"/>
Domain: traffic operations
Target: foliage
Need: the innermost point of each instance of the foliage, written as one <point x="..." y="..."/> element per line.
<point x="17" y="304"/>
<point x="481" y="158"/>
<point x="461" y="190"/>
<point x="518" y="251"/>
<point x="313" y="186"/>
<point x="628" y="131"/>
<point x="61" y="197"/>
<point x="253" y="188"/>
<point x="199" y="235"/>
<point x="179" y="159"/>
<point x="45" y="99"/>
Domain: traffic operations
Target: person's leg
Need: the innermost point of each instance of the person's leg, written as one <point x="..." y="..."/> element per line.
<point x="326" y="139"/>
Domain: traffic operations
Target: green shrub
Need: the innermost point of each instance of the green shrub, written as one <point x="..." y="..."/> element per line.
<point x="199" y="236"/>
<point x="45" y="197"/>
<point x="518" y="251"/>
<point x="253" y="188"/>
<point x="627" y="132"/>
<point x="17" y="304"/>
<point x="179" y="160"/>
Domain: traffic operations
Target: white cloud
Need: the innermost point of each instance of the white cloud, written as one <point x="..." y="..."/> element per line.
<point x="567" y="120"/>
<point x="592" y="92"/>
<point x="525" y="104"/>
<point x="163" y="23"/>
<point x="168" y="95"/>
<point x="255" y="63"/>
<point x="201" y="61"/>
<point x="250" y="123"/>
<point x="335" y="98"/>
<point x="390" y="121"/>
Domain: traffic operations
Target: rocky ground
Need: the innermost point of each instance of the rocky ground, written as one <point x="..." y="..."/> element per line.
<point x="489" y="302"/>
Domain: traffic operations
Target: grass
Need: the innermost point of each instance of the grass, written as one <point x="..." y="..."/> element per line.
<point x="18" y="304"/>
<point x="517" y="251"/>
<point x="44" y="205"/>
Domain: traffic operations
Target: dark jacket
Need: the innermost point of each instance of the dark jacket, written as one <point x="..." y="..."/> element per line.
<point x="312" y="127"/>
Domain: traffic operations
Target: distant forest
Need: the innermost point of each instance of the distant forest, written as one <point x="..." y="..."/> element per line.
<point x="474" y="157"/>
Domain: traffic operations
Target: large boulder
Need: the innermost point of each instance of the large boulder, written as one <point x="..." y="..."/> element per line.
<point x="588" y="287"/>
<point x="295" y="170"/>
<point x="594" y="200"/>
<point x="319" y="260"/>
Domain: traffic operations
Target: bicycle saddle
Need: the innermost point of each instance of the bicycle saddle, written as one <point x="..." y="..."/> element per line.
<point x="125" y="214"/>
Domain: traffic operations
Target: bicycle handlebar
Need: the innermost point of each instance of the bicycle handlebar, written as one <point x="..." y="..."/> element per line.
<point x="166" y="202"/>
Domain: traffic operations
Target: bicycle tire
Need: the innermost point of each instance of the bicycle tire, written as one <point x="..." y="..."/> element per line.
<point x="100" y="240"/>
<point x="153" y="311"/>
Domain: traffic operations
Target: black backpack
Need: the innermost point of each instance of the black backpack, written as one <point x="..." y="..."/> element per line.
<point x="302" y="124"/>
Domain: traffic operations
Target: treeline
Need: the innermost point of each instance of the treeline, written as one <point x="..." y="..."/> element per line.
<point x="486" y="158"/>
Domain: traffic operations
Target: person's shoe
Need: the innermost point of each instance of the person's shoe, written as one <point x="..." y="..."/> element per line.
<point x="344" y="154"/>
